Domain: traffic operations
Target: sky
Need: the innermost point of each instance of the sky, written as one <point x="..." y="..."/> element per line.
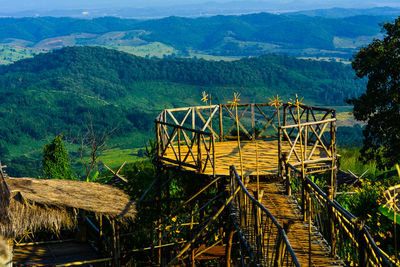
<point x="23" y="5"/>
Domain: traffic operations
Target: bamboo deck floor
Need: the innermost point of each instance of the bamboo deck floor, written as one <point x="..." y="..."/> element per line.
<point x="51" y="254"/>
<point x="227" y="154"/>
<point x="286" y="211"/>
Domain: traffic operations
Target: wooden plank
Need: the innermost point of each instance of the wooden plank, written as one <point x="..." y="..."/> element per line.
<point x="226" y="154"/>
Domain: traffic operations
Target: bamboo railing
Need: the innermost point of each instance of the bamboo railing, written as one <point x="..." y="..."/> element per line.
<point x="189" y="133"/>
<point x="348" y="237"/>
<point x="261" y="236"/>
<point x="313" y="133"/>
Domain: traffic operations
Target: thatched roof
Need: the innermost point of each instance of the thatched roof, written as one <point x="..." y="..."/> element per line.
<point x="51" y="204"/>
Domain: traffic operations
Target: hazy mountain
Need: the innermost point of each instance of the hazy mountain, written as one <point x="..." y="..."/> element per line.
<point x="349" y="12"/>
<point x="154" y="9"/>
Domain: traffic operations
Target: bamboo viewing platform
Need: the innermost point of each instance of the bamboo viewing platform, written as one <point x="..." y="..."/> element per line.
<point x="202" y="138"/>
<point x="283" y="221"/>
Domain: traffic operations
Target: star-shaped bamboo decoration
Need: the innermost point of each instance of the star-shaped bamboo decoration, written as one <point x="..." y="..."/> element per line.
<point x="235" y="101"/>
<point x="297" y="103"/>
<point x="275" y="102"/>
<point x="391" y="202"/>
<point x="205" y="97"/>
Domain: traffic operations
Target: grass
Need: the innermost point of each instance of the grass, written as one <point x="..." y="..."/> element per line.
<point x="115" y="157"/>
<point x="9" y="55"/>
<point x="155" y="49"/>
<point x="193" y="54"/>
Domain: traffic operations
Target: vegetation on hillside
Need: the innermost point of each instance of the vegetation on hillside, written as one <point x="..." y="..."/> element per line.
<point x="245" y="35"/>
<point x="54" y="92"/>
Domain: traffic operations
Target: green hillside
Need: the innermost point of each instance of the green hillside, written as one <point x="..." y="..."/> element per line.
<point x="55" y="92"/>
<point x="11" y="54"/>
<point x="245" y="35"/>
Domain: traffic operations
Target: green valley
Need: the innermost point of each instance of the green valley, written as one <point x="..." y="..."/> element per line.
<point x="61" y="90"/>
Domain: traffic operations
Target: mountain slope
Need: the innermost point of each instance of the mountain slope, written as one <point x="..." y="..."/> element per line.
<point x="245" y="35"/>
<point x="59" y="91"/>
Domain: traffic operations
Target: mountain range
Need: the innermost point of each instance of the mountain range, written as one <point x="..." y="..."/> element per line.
<point x="61" y="90"/>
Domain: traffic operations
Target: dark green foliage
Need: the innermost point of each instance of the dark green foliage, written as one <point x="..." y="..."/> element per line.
<point x="23" y="166"/>
<point x="56" y="164"/>
<point x="58" y="88"/>
<point x="209" y="34"/>
<point x="380" y="105"/>
<point x="347" y="136"/>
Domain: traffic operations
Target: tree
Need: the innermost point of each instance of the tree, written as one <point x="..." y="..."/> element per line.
<point x="55" y="161"/>
<point x="93" y="143"/>
<point x="379" y="106"/>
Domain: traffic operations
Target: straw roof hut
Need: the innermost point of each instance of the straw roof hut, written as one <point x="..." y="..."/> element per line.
<point x="29" y="203"/>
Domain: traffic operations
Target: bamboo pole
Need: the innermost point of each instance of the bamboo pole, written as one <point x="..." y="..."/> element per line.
<point x="212" y="219"/>
<point x="221" y="131"/>
<point x="193" y="122"/>
<point x="309" y="230"/>
<point x="229" y="248"/>
<point x="199" y="156"/>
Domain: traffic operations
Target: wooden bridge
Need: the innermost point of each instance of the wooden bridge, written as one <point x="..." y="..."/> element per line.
<point x="282" y="218"/>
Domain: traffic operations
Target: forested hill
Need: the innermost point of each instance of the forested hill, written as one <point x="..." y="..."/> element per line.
<point x="55" y="92"/>
<point x="245" y="35"/>
<point x="109" y="74"/>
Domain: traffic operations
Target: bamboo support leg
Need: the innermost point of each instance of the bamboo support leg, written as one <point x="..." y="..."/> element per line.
<point x="229" y="248"/>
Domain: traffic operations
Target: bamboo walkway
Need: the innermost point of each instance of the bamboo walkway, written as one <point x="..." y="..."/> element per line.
<point x="288" y="214"/>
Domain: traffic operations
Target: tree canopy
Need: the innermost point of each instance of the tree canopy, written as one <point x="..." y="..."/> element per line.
<point x="379" y="106"/>
<point x="55" y="161"/>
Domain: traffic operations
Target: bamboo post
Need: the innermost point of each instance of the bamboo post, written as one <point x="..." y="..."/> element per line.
<point x="221" y="130"/>
<point x="333" y="155"/>
<point x="192" y="256"/>
<point x="114" y="243"/>
<point x="332" y="187"/>
<point x="213" y="153"/>
<point x="280" y="251"/>
<point x="288" y="180"/>
<point x="165" y="120"/>
<point x="179" y="147"/>
<point x="101" y="226"/>
<point x="284" y="114"/>
<point x="199" y="157"/>
<point x="309" y="230"/>
<point x="193" y="121"/>
<point x="118" y="245"/>
<point x="332" y="234"/>
<point x="158" y="133"/>
<point x="229" y="248"/>
<point x="279" y="152"/>
<point x="159" y="221"/>
<point x="253" y="122"/>
<point x="362" y="245"/>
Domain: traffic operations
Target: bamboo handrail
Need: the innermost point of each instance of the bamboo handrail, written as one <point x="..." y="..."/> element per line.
<point x="307" y="123"/>
<point x="235" y="178"/>
<point x="374" y="253"/>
